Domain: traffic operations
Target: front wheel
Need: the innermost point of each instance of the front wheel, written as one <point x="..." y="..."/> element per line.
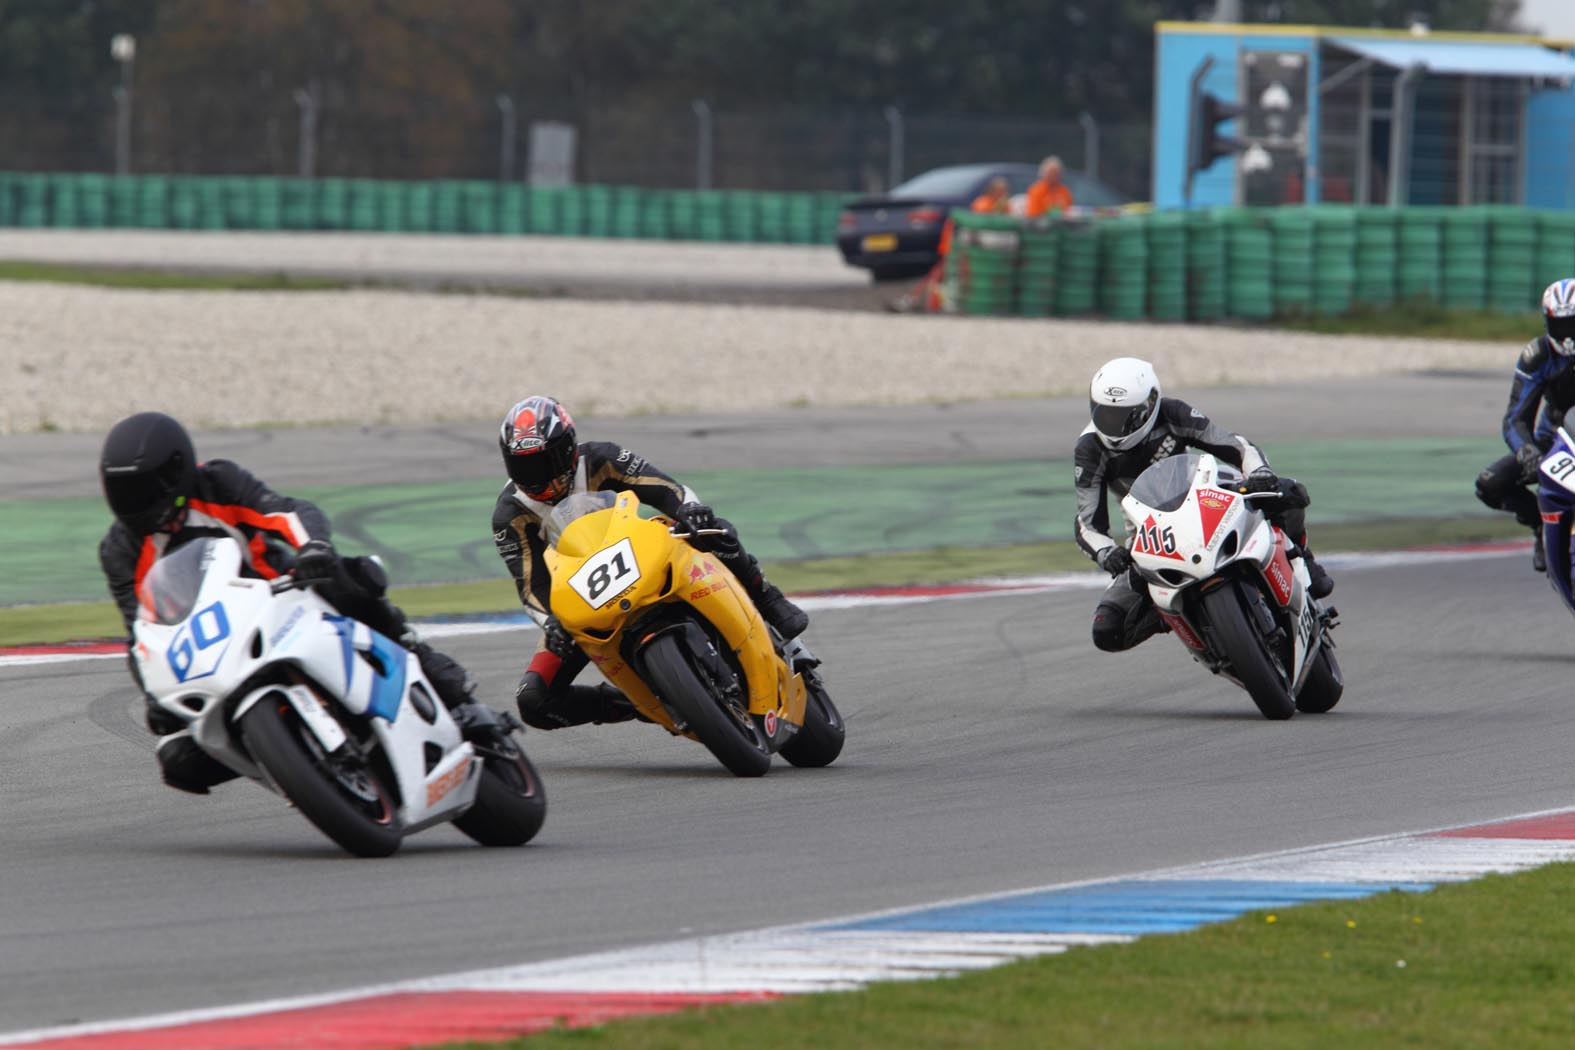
<point x="1324" y="684"/>
<point x="722" y="725"/>
<point x="1238" y="641"/>
<point x="819" y="741"/>
<point x="511" y="803"/>
<point x="345" y="799"/>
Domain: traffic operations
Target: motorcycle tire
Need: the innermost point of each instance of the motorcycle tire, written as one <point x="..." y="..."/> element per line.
<point x="1239" y="642"/>
<point x="354" y="808"/>
<point x="819" y="741"/>
<point x="511" y="803"/>
<point x="736" y="742"/>
<point x="1324" y="684"/>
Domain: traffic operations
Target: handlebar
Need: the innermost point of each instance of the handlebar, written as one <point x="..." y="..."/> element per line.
<point x="674" y="531"/>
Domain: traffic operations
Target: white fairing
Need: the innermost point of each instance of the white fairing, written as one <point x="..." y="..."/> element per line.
<point x="1558" y="466"/>
<point x="1193" y="537"/>
<point x="236" y="641"/>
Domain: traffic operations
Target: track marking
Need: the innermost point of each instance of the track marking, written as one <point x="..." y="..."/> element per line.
<point x="929" y="941"/>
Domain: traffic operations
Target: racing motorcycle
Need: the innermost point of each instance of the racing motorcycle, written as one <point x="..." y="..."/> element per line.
<point x="280" y="688"/>
<point x="671" y="627"/>
<point x="1556" y="501"/>
<point x="1222" y="578"/>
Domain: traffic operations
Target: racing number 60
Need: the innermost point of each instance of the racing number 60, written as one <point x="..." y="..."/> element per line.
<point x="606" y="574"/>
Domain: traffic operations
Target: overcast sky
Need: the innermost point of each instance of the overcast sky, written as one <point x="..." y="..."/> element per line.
<point x="1552" y="17"/>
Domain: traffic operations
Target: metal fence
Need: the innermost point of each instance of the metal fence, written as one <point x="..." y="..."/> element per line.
<point x="704" y="145"/>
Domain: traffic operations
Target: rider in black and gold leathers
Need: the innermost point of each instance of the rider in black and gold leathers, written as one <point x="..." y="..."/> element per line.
<point x="546" y="462"/>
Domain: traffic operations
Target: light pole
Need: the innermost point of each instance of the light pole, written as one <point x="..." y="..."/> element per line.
<point x="123" y="49"/>
<point x="506" y="147"/>
<point x="1090" y="144"/>
<point x="306" y="158"/>
<point x="896" y="145"/>
<point x="702" y="111"/>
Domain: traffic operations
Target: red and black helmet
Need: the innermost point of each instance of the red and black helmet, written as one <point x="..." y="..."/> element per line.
<point x="148" y="471"/>
<point x="540" y="451"/>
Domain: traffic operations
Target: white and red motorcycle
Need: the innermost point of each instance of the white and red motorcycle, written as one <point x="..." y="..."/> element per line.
<point x="1223" y="580"/>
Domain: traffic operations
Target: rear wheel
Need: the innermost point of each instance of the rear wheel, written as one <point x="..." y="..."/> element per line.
<point x="344" y="798"/>
<point x="510" y="800"/>
<point x="723" y="725"/>
<point x="1238" y="641"/>
<point x="819" y="741"/>
<point x="1324" y="684"/>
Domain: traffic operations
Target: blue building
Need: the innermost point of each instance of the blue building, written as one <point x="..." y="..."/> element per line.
<point x="1367" y="116"/>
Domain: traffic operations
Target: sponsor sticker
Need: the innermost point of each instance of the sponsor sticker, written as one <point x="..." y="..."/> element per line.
<point x="771" y="723"/>
<point x="440" y="788"/>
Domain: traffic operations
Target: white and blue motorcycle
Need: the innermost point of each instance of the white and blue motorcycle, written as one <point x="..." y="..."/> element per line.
<point x="280" y="688"/>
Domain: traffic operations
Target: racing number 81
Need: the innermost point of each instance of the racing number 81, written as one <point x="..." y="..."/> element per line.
<point x="606" y="574"/>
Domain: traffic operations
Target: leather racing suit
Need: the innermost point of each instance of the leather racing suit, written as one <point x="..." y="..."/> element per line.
<point x="229" y="501"/>
<point x="1126" y="615"/>
<point x="1540" y="394"/>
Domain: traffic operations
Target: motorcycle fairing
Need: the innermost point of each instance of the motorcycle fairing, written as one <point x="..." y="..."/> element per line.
<point x="1556" y="505"/>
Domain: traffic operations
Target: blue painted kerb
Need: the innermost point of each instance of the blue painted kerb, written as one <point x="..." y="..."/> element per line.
<point x="1129" y="906"/>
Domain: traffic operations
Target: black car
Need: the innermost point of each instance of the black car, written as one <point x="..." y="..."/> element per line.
<point x="899" y="235"/>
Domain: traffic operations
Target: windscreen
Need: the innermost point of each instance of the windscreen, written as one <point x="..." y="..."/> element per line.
<point x="942" y="182"/>
<point x="1166" y="485"/>
<point x="170" y="588"/>
<point x="572" y="509"/>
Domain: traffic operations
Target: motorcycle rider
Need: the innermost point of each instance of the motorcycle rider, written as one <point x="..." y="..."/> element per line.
<point x="162" y="498"/>
<point x="546" y="463"/>
<point x="1131" y="427"/>
<point x="1544" y="383"/>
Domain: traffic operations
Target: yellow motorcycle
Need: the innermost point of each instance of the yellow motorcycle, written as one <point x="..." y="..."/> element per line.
<point x="672" y="628"/>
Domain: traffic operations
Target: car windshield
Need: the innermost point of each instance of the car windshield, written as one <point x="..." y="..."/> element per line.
<point x="572" y="509"/>
<point x="943" y="182"/>
<point x="170" y="588"/>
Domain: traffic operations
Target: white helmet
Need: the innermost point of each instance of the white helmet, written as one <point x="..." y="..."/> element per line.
<point x="1558" y="314"/>
<point x="1123" y="402"/>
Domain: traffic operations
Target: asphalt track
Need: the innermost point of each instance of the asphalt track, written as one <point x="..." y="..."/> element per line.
<point x="990" y="747"/>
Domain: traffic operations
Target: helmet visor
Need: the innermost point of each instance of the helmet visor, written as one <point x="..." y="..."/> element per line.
<point x="1119" y="421"/>
<point x="536" y="471"/>
<point x="145" y="499"/>
<point x="1561" y="328"/>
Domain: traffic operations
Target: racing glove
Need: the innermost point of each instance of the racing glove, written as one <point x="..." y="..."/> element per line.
<point x="316" y="560"/>
<point x="559" y="642"/>
<point x="1263" y="480"/>
<point x="1114" y="560"/>
<point x="1530" y="458"/>
<point x="695" y="516"/>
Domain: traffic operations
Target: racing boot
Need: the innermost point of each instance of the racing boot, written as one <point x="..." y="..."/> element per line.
<point x="1319" y="582"/>
<point x="1539" y="557"/>
<point x="544" y="707"/>
<point x="187" y="767"/>
<point x="789" y="620"/>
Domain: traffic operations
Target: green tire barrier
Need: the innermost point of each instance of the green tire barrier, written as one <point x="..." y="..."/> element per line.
<point x="1202" y="265"/>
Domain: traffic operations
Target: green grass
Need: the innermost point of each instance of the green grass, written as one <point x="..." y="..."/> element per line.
<point x="1478" y="964"/>
<point x="164" y="280"/>
<point x="28" y="624"/>
<point x="1423" y="320"/>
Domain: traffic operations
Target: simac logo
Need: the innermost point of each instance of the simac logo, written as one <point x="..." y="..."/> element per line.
<point x="1115" y="391"/>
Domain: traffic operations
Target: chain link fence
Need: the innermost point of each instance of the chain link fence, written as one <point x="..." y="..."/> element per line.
<point x="854" y="150"/>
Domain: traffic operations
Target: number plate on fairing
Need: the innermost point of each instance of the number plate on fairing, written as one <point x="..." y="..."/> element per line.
<point x="606" y="574"/>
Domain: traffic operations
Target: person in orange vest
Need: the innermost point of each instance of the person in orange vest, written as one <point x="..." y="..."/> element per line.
<point x="1049" y="193"/>
<point x="995" y="200"/>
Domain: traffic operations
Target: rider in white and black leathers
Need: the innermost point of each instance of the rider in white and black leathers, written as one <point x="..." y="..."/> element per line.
<point x="1132" y="427"/>
<point x="1542" y="392"/>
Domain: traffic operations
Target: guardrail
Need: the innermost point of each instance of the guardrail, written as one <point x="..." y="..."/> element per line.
<point x="1257" y="263"/>
<point x="207" y="202"/>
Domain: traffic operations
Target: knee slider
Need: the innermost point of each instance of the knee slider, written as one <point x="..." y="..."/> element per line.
<point x="1109" y="628"/>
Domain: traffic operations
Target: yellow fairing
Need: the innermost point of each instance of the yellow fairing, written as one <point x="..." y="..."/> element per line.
<point x="666" y="569"/>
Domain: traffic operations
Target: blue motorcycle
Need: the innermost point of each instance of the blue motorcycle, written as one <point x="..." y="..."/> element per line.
<point x="1556" y="501"/>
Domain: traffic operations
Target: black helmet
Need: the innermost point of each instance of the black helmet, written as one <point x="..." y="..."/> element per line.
<point x="539" y="448"/>
<point x="148" y="470"/>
